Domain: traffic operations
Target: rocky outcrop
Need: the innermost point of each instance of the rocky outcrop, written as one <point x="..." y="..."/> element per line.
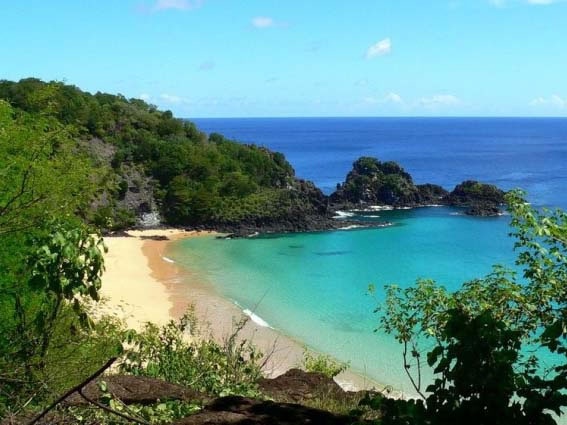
<point x="371" y="182"/>
<point x="241" y="410"/>
<point x="479" y="199"/>
<point x="297" y="386"/>
<point x="288" y="393"/>
<point x="431" y="194"/>
<point x="136" y="390"/>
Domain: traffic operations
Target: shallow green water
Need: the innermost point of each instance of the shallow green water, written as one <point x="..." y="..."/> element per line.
<point x="313" y="286"/>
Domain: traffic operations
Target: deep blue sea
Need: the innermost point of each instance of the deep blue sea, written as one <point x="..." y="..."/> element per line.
<point x="313" y="287"/>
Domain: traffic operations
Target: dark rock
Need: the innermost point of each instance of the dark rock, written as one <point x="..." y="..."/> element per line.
<point x="483" y="210"/>
<point x="246" y="411"/>
<point x="471" y="192"/>
<point x="136" y="389"/>
<point x="431" y="194"/>
<point x="116" y="234"/>
<point x="155" y="237"/>
<point x="373" y="182"/>
<point x="297" y="385"/>
<point x="480" y="199"/>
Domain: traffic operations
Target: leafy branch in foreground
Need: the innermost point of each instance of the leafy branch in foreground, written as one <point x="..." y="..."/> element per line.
<point x="485" y="342"/>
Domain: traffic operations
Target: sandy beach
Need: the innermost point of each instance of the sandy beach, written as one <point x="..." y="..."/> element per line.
<point x="142" y="284"/>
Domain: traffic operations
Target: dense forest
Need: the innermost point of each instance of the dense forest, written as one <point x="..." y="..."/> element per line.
<point x="148" y="161"/>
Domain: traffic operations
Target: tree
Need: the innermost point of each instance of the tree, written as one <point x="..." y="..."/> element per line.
<point x="483" y="339"/>
<point x="41" y="171"/>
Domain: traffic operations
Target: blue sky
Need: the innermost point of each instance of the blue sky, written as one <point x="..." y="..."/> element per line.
<point x="252" y="58"/>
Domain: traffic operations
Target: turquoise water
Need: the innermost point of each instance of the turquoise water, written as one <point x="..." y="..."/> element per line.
<point x="314" y="286"/>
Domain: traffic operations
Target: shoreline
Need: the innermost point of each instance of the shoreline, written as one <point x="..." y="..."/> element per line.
<point x="142" y="284"/>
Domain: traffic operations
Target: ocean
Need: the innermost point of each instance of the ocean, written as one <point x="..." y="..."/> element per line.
<point x="314" y="286"/>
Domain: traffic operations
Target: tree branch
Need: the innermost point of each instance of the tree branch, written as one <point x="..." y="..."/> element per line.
<point x="78" y="387"/>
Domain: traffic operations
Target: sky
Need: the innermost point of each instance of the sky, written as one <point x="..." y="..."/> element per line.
<point x="278" y="58"/>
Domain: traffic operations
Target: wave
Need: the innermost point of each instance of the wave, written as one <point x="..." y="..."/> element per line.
<point x="380" y="208"/>
<point x="169" y="260"/>
<point x="344" y="214"/>
<point x="352" y="226"/>
<point x="256" y="319"/>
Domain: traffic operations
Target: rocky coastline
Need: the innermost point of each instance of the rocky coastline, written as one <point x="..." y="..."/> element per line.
<point x="370" y="185"/>
<point x="387" y="184"/>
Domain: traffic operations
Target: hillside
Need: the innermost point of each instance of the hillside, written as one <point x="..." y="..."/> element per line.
<point x="160" y="169"/>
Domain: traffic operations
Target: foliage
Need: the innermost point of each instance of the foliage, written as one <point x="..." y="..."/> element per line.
<point x="161" y="412"/>
<point x="383" y="183"/>
<point x="45" y="326"/>
<point x="470" y="192"/>
<point x="177" y="354"/>
<point x="41" y="172"/>
<point x="483" y="339"/>
<point x="322" y="363"/>
<point x="50" y="264"/>
<point x="198" y="179"/>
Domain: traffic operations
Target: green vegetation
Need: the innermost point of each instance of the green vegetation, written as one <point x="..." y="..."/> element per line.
<point x="179" y="353"/>
<point x="148" y="160"/>
<point x="485" y="342"/>
<point x="371" y="182"/>
<point x="50" y="263"/>
<point x="322" y="363"/>
<point x="377" y="183"/>
<point x="69" y="158"/>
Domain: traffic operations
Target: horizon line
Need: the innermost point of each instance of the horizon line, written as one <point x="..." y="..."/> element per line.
<point x="382" y="117"/>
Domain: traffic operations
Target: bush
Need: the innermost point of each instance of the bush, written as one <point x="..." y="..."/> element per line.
<point x="177" y="353"/>
<point x="322" y="363"/>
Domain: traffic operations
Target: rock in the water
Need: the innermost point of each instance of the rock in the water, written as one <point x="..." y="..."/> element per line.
<point x="480" y="199"/>
<point x="373" y="182"/>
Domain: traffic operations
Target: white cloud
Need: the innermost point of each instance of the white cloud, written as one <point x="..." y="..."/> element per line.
<point x="145" y="97"/>
<point x="171" y="98"/>
<point x="263" y="22"/>
<point x="390" y="98"/>
<point x="554" y="100"/>
<point x="439" y="100"/>
<point x="380" y="48"/>
<point x="177" y="4"/>
<point x="393" y="98"/>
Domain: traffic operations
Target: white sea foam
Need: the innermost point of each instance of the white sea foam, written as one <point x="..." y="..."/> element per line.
<point x="380" y="208"/>
<point x="354" y="226"/>
<point x="344" y="214"/>
<point x="169" y="260"/>
<point x="256" y="319"/>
